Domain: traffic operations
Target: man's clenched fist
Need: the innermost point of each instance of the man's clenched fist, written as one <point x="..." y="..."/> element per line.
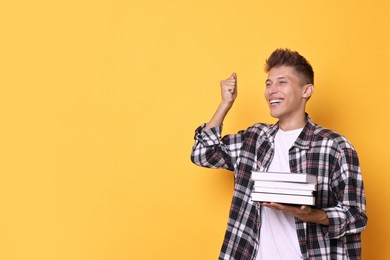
<point x="229" y="89"/>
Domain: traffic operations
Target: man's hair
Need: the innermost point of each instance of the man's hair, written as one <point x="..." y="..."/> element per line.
<point x="287" y="57"/>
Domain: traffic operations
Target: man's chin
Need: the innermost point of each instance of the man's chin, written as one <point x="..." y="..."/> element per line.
<point x="274" y="115"/>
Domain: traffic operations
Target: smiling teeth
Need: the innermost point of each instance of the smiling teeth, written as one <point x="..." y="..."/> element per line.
<point x="275" y="101"/>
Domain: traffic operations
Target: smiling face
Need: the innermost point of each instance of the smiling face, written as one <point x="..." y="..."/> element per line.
<point x="286" y="94"/>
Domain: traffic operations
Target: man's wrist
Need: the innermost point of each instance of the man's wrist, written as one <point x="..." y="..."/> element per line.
<point x="225" y="105"/>
<point x="318" y="216"/>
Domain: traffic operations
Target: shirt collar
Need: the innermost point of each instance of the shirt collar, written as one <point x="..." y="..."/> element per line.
<point x="304" y="138"/>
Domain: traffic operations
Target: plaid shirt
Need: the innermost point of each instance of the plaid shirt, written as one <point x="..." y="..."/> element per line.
<point x="317" y="151"/>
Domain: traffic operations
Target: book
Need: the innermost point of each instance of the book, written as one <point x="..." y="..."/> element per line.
<point x="283" y="198"/>
<point x="285" y="177"/>
<point x="286" y="185"/>
<point x="284" y="191"/>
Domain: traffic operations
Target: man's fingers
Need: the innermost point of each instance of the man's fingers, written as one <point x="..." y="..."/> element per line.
<point x="229" y="88"/>
<point x="232" y="77"/>
<point x="305" y="209"/>
<point x="230" y="82"/>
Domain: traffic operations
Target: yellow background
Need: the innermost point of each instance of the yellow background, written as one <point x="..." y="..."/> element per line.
<point x="99" y="101"/>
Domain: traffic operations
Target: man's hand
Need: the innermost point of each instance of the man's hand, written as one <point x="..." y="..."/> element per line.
<point x="229" y="94"/>
<point x="304" y="213"/>
<point x="229" y="89"/>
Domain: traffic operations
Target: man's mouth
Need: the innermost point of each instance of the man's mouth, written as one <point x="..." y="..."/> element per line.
<point x="275" y="101"/>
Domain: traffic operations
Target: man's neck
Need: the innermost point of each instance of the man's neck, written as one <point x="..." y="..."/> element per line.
<point x="292" y="123"/>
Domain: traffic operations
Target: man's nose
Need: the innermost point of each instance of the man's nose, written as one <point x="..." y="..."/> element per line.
<point x="272" y="88"/>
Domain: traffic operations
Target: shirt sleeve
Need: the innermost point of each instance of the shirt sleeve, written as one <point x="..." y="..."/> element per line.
<point x="349" y="215"/>
<point x="212" y="151"/>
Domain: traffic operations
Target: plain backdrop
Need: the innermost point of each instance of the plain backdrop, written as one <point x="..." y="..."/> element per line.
<point x="100" y="99"/>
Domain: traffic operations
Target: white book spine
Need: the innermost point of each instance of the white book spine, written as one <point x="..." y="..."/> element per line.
<point x="287" y="177"/>
<point x="282" y="198"/>
<point x="286" y="185"/>
<point x="284" y="191"/>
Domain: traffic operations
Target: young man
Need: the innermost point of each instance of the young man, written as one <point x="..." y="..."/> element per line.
<point x="271" y="231"/>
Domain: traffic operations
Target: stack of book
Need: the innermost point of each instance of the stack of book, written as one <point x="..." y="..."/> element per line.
<point x="288" y="188"/>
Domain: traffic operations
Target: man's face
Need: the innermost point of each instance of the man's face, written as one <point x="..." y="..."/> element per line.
<point x="285" y="93"/>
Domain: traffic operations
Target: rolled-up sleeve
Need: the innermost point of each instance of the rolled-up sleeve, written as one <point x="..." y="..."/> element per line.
<point x="349" y="215"/>
<point x="212" y="151"/>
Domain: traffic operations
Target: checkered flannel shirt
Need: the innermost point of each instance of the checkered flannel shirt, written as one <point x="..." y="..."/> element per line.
<point x="317" y="151"/>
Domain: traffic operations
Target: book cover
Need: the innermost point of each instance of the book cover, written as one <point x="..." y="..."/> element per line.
<point x="284" y="191"/>
<point x="283" y="198"/>
<point x="286" y="185"/>
<point x="287" y="177"/>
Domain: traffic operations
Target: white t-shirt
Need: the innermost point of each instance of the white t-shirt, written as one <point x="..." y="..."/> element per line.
<point x="278" y="236"/>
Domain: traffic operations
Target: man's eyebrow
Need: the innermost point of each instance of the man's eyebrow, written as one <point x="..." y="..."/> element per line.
<point x="278" y="78"/>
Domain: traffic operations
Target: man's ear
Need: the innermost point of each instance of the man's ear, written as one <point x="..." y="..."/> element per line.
<point x="308" y="90"/>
